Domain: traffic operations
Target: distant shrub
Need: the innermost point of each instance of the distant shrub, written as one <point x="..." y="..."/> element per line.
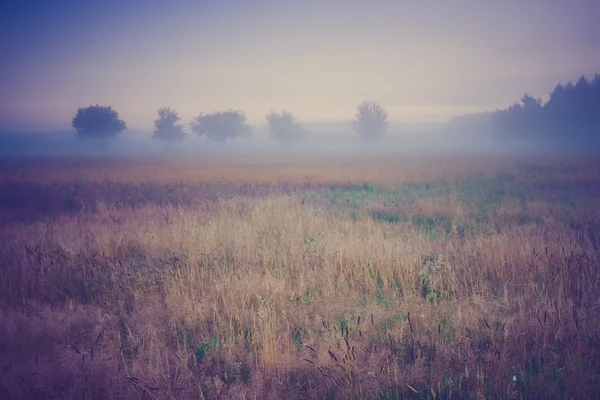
<point x="98" y="122"/>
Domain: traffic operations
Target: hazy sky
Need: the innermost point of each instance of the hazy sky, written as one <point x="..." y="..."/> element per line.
<point x="423" y="60"/>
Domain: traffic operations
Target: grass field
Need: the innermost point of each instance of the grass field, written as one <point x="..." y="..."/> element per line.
<point x="329" y="278"/>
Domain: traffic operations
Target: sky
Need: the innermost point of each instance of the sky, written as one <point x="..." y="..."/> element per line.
<point x="424" y="61"/>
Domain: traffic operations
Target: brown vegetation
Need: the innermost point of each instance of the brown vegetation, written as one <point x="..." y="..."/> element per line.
<point x="394" y="278"/>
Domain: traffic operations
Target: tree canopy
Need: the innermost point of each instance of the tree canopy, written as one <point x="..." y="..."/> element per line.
<point x="572" y="111"/>
<point x="283" y="126"/>
<point x="370" y="121"/>
<point x="98" y="122"/>
<point x="221" y="126"/>
<point x="167" y="126"/>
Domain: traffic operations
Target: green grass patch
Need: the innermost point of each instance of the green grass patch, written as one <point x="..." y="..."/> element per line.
<point x="432" y="227"/>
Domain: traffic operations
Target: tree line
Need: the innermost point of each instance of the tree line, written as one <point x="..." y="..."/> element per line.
<point x="571" y="114"/>
<point x="103" y="122"/>
<point x="572" y="111"/>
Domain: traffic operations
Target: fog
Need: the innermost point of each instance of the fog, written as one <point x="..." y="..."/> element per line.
<point x="468" y="135"/>
<point x="566" y="123"/>
<point x="447" y="73"/>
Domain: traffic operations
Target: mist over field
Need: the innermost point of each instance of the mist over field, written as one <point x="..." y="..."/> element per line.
<point x="317" y="199"/>
<point x="334" y="138"/>
<point x="449" y="77"/>
<point x="466" y="135"/>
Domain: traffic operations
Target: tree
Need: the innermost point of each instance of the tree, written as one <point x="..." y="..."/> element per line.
<point x="521" y="121"/>
<point x="221" y="125"/>
<point x="98" y="122"/>
<point x="531" y="103"/>
<point x="370" y="121"/>
<point x="167" y="126"/>
<point x="569" y="118"/>
<point x="283" y="126"/>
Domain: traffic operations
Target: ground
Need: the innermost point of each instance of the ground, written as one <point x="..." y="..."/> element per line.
<point x="387" y="278"/>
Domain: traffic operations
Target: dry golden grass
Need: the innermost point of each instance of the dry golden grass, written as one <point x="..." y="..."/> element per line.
<point x="271" y="295"/>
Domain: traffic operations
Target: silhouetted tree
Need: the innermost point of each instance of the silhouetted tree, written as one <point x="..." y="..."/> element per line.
<point x="283" y="127"/>
<point x="98" y="122"/>
<point x="570" y="118"/>
<point x="532" y="119"/>
<point x="531" y="104"/>
<point x="167" y="126"/>
<point x="221" y="126"/>
<point x="370" y="121"/>
<point x="521" y="116"/>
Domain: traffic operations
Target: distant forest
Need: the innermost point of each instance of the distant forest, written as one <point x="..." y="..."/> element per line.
<point x="569" y="120"/>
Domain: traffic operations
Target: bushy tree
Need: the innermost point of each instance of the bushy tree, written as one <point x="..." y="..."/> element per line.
<point x="370" y="121"/>
<point x="221" y="126"/>
<point x="521" y="118"/>
<point x="98" y="122"/>
<point x="283" y="126"/>
<point x="167" y="126"/>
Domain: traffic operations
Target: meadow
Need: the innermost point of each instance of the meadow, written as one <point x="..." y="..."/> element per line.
<point x="396" y="277"/>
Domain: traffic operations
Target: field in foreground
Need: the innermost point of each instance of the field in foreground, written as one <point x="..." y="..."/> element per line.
<point x="308" y="278"/>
